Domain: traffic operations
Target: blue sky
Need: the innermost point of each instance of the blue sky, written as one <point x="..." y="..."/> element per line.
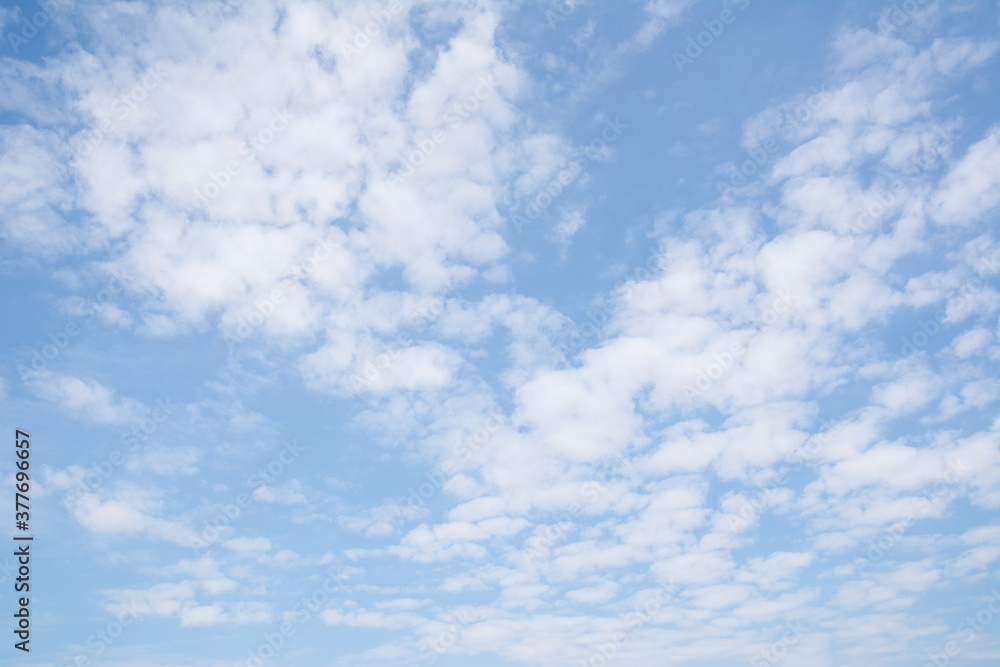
<point x="495" y="333"/>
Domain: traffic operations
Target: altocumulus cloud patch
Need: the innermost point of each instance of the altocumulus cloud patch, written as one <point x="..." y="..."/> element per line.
<point x="404" y="333"/>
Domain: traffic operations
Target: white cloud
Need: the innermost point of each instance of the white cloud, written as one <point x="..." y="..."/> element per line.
<point x="86" y="398"/>
<point x="626" y="457"/>
<point x="972" y="187"/>
<point x="971" y="341"/>
<point x="594" y="594"/>
<point x="166" y="460"/>
<point x="248" y="544"/>
<point x="129" y="511"/>
<point x="570" y="222"/>
<point x="288" y="494"/>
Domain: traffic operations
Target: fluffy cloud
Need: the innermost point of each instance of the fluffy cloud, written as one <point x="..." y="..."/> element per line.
<point x="755" y="430"/>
